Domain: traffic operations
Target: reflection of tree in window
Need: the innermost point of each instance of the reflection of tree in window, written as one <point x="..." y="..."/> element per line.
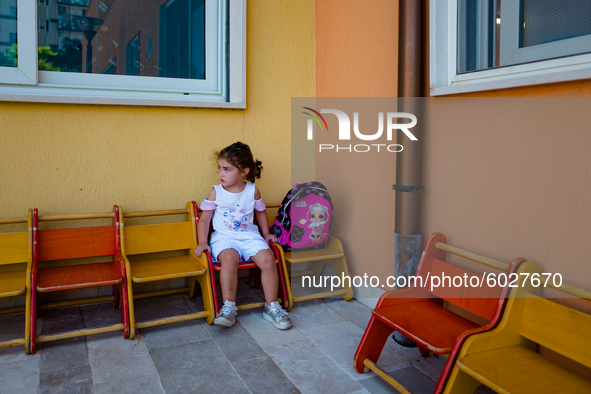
<point x="182" y="55"/>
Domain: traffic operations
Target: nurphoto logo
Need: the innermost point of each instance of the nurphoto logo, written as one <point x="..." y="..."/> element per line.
<point x="344" y="132"/>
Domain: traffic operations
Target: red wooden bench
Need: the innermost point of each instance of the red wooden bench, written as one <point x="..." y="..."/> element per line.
<point x="56" y="245"/>
<point x="421" y="313"/>
<point x="284" y="291"/>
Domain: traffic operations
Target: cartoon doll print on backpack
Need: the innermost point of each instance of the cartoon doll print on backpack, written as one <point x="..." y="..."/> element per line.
<point x="304" y="217"/>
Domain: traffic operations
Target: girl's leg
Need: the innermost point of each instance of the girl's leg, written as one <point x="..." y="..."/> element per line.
<point x="229" y="260"/>
<point x="265" y="260"/>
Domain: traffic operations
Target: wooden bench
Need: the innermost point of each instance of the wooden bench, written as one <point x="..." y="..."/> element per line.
<point x="145" y="241"/>
<point x="77" y="243"/>
<point x="505" y="359"/>
<point x="16" y="260"/>
<point x="436" y="319"/>
<point x="332" y="255"/>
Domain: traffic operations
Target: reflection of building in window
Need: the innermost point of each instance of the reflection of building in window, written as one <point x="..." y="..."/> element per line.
<point x="110" y="69"/>
<point x="159" y="38"/>
<point x="132" y="56"/>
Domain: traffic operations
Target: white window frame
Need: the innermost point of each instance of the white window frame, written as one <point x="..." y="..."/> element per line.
<point x="25" y="83"/>
<point x="445" y="80"/>
<point x="26" y="71"/>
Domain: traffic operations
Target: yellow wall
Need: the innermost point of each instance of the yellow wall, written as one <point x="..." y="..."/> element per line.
<point x="85" y="158"/>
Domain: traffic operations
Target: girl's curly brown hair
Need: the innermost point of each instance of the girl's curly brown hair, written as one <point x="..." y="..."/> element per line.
<point x="239" y="155"/>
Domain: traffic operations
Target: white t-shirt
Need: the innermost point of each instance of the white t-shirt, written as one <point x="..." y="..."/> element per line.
<point x="234" y="213"/>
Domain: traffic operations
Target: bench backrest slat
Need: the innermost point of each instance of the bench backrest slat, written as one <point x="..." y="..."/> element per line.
<point x="76" y="243"/>
<point x="482" y="301"/>
<point x="150" y="238"/>
<point x="14" y="247"/>
<point x="557" y="327"/>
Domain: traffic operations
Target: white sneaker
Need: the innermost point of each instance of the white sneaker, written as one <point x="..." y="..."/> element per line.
<point x="227" y="315"/>
<point x="277" y="316"/>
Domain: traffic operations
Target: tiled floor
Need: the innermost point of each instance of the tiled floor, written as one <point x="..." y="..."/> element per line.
<point x="316" y="356"/>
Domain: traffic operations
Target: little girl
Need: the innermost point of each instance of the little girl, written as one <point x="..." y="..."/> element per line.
<point x="233" y="203"/>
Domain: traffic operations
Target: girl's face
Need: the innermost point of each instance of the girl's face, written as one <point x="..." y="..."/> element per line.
<point x="230" y="176"/>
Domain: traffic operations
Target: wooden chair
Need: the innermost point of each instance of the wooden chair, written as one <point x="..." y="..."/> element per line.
<point x="16" y="260"/>
<point x="148" y="239"/>
<point x="77" y="243"/>
<point x="284" y="290"/>
<point x="421" y="313"/>
<point x="505" y="359"/>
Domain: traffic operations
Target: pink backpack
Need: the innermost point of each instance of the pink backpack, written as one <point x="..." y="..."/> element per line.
<point x="304" y="217"/>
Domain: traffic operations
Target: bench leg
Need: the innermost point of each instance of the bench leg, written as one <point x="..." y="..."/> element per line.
<point x="124" y="309"/>
<point x="372" y="343"/>
<point x="33" y="317"/>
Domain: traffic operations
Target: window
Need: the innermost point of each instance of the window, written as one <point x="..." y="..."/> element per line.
<point x="492" y="44"/>
<point x="171" y="52"/>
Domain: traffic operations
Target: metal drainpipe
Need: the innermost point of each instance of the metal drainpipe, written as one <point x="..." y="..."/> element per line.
<point x="407" y="228"/>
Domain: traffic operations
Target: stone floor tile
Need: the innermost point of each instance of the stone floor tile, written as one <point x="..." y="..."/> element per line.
<point x="174" y="334"/>
<point x="76" y="380"/>
<point x="339" y="341"/>
<point x="235" y="342"/>
<point x="377" y="385"/>
<point x="262" y="376"/>
<point x="116" y="358"/>
<point x="313" y="313"/>
<point x="353" y="310"/>
<point x="310" y="369"/>
<point x="20" y="377"/>
<point x="13" y="327"/>
<point x="195" y="303"/>
<point x="431" y="366"/>
<point x="60" y="313"/>
<point x="64" y="355"/>
<point x="146" y="384"/>
<point x="262" y="331"/>
<point x="62" y="325"/>
<point x="415" y="380"/>
<point x="158" y="307"/>
<point x="100" y="315"/>
<point x="196" y="368"/>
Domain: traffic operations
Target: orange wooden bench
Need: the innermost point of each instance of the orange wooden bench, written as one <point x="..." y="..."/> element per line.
<point x="16" y="260"/>
<point x="142" y="246"/>
<point x="423" y="315"/>
<point x="57" y="245"/>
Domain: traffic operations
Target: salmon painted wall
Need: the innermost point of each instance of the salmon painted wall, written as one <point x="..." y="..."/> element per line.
<point x="468" y="169"/>
<point x="521" y="186"/>
<point x="357" y="52"/>
<point x="85" y="158"/>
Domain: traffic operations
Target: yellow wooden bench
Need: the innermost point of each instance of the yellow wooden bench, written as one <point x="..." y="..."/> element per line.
<point x="144" y="241"/>
<point x="332" y="255"/>
<point x="16" y="258"/>
<point x="505" y="359"/>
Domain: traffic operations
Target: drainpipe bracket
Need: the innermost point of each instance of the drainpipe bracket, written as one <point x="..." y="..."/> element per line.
<point x="406" y="188"/>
